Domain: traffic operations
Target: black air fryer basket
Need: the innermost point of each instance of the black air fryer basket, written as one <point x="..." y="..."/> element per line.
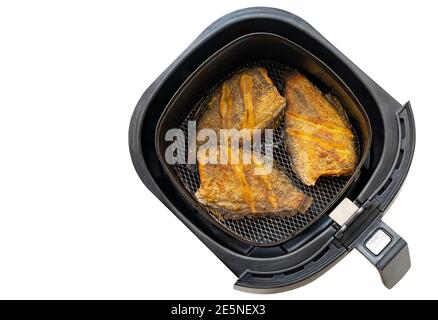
<point x="274" y="253"/>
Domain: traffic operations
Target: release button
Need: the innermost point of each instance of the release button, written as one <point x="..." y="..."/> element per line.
<point x="378" y="242"/>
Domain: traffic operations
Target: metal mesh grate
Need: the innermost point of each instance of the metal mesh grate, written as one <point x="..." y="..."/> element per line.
<point x="268" y="230"/>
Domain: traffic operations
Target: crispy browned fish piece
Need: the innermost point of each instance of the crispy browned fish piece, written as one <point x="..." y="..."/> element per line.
<point x="236" y="191"/>
<point x="318" y="135"/>
<point x="247" y="100"/>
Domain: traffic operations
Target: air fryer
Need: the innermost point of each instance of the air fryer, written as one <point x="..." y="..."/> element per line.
<point x="275" y="254"/>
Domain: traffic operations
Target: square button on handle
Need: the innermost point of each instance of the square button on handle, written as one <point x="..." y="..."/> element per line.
<point x="378" y="242"/>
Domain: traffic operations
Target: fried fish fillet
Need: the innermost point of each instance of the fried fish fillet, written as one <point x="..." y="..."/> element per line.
<point x="318" y="136"/>
<point x="238" y="190"/>
<point x="248" y="100"/>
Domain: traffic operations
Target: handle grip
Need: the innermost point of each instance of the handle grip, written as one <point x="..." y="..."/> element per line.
<point x="386" y="250"/>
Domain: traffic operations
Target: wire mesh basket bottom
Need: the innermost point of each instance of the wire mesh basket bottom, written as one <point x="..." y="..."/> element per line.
<point x="268" y="230"/>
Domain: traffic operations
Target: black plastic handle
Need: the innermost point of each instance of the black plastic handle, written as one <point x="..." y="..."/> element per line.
<point x="393" y="261"/>
<point x="386" y="250"/>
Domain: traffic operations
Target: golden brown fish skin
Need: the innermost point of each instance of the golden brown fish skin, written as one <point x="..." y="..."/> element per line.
<point x="318" y="135"/>
<point x="248" y="100"/>
<point x="235" y="191"/>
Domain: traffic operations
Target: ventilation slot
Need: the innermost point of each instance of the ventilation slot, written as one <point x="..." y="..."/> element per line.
<point x="295" y="270"/>
<point x="321" y="254"/>
<point x="400" y="158"/>
<point x="262" y="275"/>
<point x="381" y="191"/>
<point x="402" y="128"/>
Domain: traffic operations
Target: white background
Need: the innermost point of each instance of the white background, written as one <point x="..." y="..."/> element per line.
<point x="75" y="220"/>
